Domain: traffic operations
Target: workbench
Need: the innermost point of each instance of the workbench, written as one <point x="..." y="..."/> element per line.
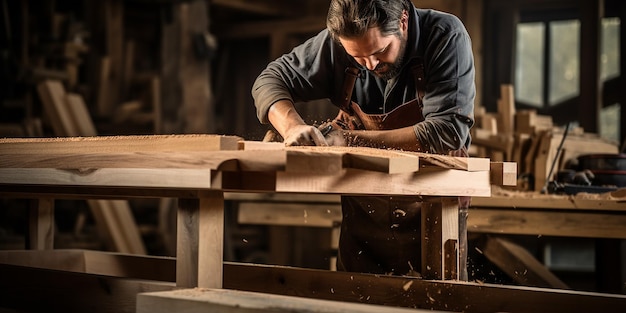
<point x="198" y="170"/>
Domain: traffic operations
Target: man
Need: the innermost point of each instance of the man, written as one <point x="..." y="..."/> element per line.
<point x="404" y="79"/>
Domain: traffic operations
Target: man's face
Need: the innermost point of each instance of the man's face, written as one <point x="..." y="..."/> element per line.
<point x="382" y="55"/>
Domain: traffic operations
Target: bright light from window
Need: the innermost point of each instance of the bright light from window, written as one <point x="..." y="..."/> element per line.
<point x="564" y="60"/>
<point x="529" y="63"/>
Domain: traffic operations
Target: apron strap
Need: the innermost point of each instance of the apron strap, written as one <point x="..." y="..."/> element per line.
<point x="346" y="90"/>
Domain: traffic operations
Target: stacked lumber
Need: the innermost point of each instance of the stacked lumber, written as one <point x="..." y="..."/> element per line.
<point x="530" y="140"/>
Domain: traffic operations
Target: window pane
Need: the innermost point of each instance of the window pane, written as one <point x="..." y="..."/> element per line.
<point x="610" y="49"/>
<point x="564" y="60"/>
<point x="609" y="122"/>
<point x="529" y="63"/>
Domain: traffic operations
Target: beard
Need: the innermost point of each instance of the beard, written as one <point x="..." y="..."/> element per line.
<point x="387" y="70"/>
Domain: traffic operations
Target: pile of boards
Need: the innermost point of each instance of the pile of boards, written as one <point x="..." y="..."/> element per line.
<point x="531" y="141"/>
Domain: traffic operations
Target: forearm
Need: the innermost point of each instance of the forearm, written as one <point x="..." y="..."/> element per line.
<point x="400" y="139"/>
<point x="283" y="116"/>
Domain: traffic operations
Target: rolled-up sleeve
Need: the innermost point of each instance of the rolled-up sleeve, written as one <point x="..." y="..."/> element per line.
<point x="300" y="75"/>
<point x="450" y="92"/>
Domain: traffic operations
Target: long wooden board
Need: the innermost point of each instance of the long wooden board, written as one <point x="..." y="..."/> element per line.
<point x="113" y="144"/>
<point x="48" y="275"/>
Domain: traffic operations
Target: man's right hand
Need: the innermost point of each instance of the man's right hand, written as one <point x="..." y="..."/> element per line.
<point x="304" y="135"/>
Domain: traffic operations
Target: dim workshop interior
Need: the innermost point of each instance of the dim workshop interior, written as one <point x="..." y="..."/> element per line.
<point x="135" y="175"/>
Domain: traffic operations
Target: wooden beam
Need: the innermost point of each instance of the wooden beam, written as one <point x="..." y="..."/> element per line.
<point x="52" y="94"/>
<point x="590" y="99"/>
<point x="41" y="224"/>
<point x="54" y="277"/>
<point x="234" y="301"/>
<point x="546" y="223"/>
<point x="200" y="265"/>
<point x="519" y="264"/>
<point x="112" y="144"/>
<point x="289" y="214"/>
<point x="440" y="236"/>
<point x="506" y="109"/>
<point x="432" y="182"/>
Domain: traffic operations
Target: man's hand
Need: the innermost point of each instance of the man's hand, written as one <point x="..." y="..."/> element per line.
<point x="304" y="135"/>
<point x="336" y="137"/>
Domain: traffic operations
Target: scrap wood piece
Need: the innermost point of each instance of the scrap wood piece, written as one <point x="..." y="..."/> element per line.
<point x="503" y="173"/>
<point x="114" y="144"/>
<point x="260" y="145"/>
<point x="519" y="264"/>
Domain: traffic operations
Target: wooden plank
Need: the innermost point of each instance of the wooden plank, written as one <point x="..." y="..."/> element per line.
<point x="546" y="223"/>
<point x="519" y="264"/>
<point x="234" y="301"/>
<point x="41" y="224"/>
<point x="110" y="144"/>
<point x="506" y="109"/>
<point x="260" y="145"/>
<point x="123" y="215"/>
<point x="80" y="115"/>
<point x="425" y="182"/>
<point x="52" y="94"/>
<point x="415" y="292"/>
<point x="440" y="226"/>
<point x="85" y="163"/>
<point x="289" y="214"/>
<point x="611" y="201"/>
<point x="103" y="98"/>
<point x="332" y="159"/>
<point x="157" y="107"/>
<point x="503" y="173"/>
<point x="139" y="178"/>
<point x="50" y="287"/>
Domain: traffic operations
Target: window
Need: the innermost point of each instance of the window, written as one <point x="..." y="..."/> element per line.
<point x="547" y="62"/>
<point x="610" y="70"/>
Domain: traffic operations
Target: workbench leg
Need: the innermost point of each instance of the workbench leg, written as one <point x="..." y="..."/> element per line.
<point x="440" y="237"/>
<point x="41" y="225"/>
<point x="200" y="241"/>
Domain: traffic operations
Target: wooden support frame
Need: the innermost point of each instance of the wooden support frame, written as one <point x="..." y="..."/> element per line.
<point x="116" y="168"/>
<point x="200" y="241"/>
<point x="440" y="236"/>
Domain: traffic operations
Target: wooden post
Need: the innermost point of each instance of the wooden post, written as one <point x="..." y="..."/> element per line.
<point x="440" y="235"/>
<point x="41" y="225"/>
<point x="200" y="220"/>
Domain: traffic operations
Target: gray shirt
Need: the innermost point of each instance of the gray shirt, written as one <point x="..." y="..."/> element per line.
<point x="316" y="70"/>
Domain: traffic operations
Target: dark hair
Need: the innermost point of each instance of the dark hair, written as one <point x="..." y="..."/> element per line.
<point x="352" y="18"/>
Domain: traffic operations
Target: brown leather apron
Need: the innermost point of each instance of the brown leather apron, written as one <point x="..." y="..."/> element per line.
<point x="382" y="234"/>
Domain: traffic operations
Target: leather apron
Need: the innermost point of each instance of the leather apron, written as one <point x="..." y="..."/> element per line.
<point x="382" y="234"/>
